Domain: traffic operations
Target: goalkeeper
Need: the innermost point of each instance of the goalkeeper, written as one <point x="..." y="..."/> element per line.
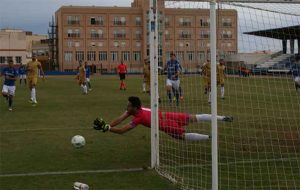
<point x="171" y="123"/>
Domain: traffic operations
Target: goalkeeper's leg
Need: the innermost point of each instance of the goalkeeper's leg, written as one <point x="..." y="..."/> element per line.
<point x="208" y="117"/>
<point x="195" y="137"/>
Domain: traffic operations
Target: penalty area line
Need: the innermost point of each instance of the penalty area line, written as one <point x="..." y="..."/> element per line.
<point x="73" y="172"/>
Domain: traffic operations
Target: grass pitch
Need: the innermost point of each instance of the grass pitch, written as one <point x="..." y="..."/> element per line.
<point x="34" y="140"/>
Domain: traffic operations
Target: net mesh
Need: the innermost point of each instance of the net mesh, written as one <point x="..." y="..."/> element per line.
<point x="260" y="149"/>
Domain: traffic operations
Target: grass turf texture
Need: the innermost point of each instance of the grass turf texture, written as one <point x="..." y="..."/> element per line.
<point x="37" y="139"/>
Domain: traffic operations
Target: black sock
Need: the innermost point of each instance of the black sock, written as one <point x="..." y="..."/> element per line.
<point x="10" y="101"/>
<point x="89" y="85"/>
<point x="169" y="95"/>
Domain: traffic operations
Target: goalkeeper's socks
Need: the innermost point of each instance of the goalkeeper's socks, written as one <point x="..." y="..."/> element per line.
<point x="207" y="117"/>
<point x="195" y="137"/>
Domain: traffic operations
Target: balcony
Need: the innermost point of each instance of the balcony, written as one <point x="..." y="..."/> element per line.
<point x="73" y="22"/>
<point x="204" y="36"/>
<point x="204" y="24"/>
<point x="96" y="36"/>
<point x="185" y="24"/>
<point x="97" y="22"/>
<point x="227" y="24"/>
<point x="185" y="36"/>
<point x="226" y="36"/>
<point x="119" y="23"/>
<point x="74" y="35"/>
<point x="120" y="36"/>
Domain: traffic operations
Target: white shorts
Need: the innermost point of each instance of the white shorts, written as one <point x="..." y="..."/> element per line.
<point x="87" y="80"/>
<point x="174" y="83"/>
<point x="23" y="76"/>
<point x="297" y="80"/>
<point x="9" y="90"/>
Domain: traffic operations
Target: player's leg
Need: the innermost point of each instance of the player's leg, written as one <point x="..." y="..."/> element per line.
<point x="144" y="86"/>
<point x="30" y="85"/>
<point x="89" y="83"/>
<point x="124" y="83"/>
<point x="11" y="93"/>
<point x="169" y="88"/>
<point x="175" y="85"/>
<point x="222" y="88"/>
<point x="5" y="92"/>
<point x="33" y="90"/>
<point x="25" y="77"/>
<point x="208" y="117"/>
<point x="21" y="76"/>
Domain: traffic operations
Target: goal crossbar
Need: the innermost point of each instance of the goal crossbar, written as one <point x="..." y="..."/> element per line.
<point x="246" y="1"/>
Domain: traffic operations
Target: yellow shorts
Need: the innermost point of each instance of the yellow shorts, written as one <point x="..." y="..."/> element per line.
<point x="32" y="81"/>
<point x="221" y="81"/>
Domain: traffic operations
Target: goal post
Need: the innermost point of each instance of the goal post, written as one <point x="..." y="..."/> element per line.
<point x="237" y="58"/>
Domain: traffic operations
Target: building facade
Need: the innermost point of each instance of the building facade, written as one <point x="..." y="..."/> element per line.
<point x="103" y="36"/>
<point x="17" y="45"/>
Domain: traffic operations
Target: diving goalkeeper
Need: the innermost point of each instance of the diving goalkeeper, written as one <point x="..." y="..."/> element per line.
<point x="172" y="123"/>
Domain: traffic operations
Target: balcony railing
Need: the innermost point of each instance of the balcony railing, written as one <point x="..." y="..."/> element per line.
<point x="227" y="24"/>
<point x="204" y="35"/>
<point x="119" y="23"/>
<point x="226" y="36"/>
<point x="96" y="36"/>
<point x="73" y="22"/>
<point x="119" y="36"/>
<point x="186" y="24"/>
<point x="97" y="22"/>
<point x="74" y="35"/>
<point x="185" y="36"/>
<point x="204" y="24"/>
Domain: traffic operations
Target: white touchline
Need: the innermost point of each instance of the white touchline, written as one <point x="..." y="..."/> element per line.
<point x="72" y="172"/>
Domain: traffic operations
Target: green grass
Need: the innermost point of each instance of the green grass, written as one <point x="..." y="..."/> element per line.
<point x="259" y="150"/>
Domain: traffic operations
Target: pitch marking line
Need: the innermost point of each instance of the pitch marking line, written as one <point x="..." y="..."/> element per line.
<point x="72" y="172"/>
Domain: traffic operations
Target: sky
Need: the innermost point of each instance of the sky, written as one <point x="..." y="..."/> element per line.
<point x="34" y="15"/>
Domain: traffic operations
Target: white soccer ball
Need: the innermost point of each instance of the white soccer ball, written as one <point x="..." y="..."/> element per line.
<point x="78" y="141"/>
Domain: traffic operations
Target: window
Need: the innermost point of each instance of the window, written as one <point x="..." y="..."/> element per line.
<point x="102" y="56"/>
<point x="77" y="33"/>
<point x="119" y="34"/>
<point x="226" y="22"/>
<point x="18" y="59"/>
<point x="69" y="43"/>
<point x="91" y="56"/>
<point x="73" y="20"/>
<point x="167" y="21"/>
<point x="186" y="34"/>
<point x="119" y="21"/>
<point x="138" y="34"/>
<point x="190" y="55"/>
<point x="180" y="55"/>
<point x="77" y="44"/>
<point x="68" y="55"/>
<point x="114" y="55"/>
<point x="79" y="55"/>
<point x="204" y="34"/>
<point x="93" y="20"/>
<point x="9" y="58"/>
<point x="125" y="56"/>
<point x="70" y="32"/>
<point x="204" y="22"/>
<point x="138" y="21"/>
<point x="138" y="44"/>
<point x="201" y="56"/>
<point x="2" y="59"/>
<point x="137" y="56"/>
<point x="186" y="22"/>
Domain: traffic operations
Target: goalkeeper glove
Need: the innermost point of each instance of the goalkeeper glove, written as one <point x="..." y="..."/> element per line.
<point x="100" y="124"/>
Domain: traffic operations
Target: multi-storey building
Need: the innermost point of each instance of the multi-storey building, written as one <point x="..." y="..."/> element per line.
<point x="17" y="45"/>
<point x="103" y="36"/>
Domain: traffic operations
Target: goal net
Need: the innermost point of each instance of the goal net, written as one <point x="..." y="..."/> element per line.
<point x="258" y="44"/>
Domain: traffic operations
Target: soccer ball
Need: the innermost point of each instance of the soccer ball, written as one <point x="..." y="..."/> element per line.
<point x="78" y="141"/>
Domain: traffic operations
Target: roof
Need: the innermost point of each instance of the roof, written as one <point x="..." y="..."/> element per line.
<point x="290" y="32"/>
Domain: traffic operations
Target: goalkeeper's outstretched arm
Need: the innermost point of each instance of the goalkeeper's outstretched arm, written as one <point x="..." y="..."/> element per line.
<point x="119" y="119"/>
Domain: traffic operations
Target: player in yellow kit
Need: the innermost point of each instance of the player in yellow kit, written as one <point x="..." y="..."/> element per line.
<point x="146" y="82"/>
<point x="82" y="78"/>
<point x="206" y="73"/>
<point x="32" y="69"/>
<point x="221" y="76"/>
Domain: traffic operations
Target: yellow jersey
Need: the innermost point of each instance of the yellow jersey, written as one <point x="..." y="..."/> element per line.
<point x="221" y="71"/>
<point x="146" y="72"/>
<point x="81" y="73"/>
<point x="206" y="69"/>
<point x="33" y="68"/>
